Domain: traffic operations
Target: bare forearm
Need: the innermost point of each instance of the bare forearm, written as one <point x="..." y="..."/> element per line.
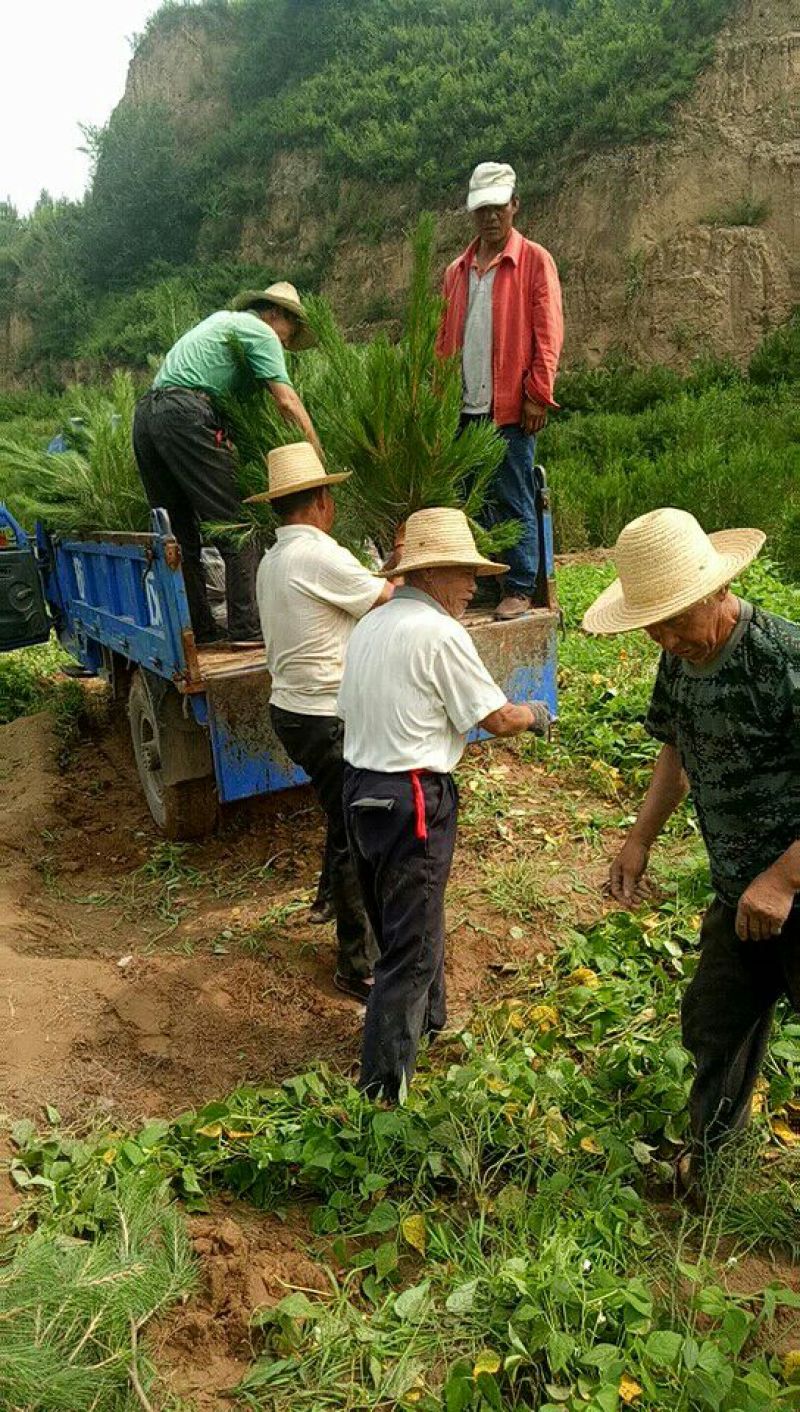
<point x="513" y="719"/>
<point x="788" y="866"/>
<point x="292" y="409"/>
<point x="668" y="788"/>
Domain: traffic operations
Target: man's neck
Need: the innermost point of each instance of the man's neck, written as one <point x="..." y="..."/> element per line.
<point x="304" y="520"/>
<point x="489" y="250"/>
<point x="730" y="609"/>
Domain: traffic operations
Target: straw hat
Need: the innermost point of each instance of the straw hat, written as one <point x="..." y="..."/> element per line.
<point x="292" y="468"/>
<point x="666" y="562"/>
<point x="441" y="539"/>
<point x="285" y="296"/>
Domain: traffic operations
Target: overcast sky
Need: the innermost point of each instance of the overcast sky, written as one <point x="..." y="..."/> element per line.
<point x="64" y="63"/>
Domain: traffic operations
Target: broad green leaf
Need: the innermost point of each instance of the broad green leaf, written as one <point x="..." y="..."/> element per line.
<point x="410" y="1303"/>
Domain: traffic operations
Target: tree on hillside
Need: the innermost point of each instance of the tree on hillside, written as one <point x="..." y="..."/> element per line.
<point x="141" y="207"/>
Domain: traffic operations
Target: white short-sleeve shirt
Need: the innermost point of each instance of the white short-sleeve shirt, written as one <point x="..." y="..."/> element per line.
<point x="413" y="687"/>
<point x="310" y="592"/>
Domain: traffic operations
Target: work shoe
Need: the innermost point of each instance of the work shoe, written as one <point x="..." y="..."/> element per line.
<point x="514" y="606"/>
<point x="359" y="987"/>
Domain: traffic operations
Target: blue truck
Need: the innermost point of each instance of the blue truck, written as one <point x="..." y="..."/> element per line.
<point x="199" y="718"/>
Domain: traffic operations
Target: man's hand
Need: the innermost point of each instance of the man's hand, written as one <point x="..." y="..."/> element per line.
<point x="625" y="879"/>
<point x="534" y="416"/>
<point x="764" y="906"/>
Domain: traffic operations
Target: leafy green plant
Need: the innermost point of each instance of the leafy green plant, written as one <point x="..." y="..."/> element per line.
<point x="387" y="412"/>
<point x="72" y="1311"/>
<point x="96" y="484"/>
<point x="746" y="212"/>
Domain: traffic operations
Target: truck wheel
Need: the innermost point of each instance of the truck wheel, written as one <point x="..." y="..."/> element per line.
<point x="184" y="810"/>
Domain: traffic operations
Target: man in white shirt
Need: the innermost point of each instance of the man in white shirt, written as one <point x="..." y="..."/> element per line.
<point x="413" y="687"/>
<point x="310" y="593"/>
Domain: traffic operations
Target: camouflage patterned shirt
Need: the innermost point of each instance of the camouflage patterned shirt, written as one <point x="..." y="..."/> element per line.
<point x="735" y="723"/>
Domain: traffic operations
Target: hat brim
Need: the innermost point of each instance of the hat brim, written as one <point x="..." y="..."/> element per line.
<point x="499" y="195"/>
<point x="611" y="614"/>
<point x="313" y="484"/>
<point x="303" y="337"/>
<point x="482" y="567"/>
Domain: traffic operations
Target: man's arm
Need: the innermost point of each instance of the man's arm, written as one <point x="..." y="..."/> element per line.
<point x="668" y="788"/>
<point x="513" y="720"/>
<point x="765" y="905"/>
<point x="547" y="319"/>
<point x="292" y="410"/>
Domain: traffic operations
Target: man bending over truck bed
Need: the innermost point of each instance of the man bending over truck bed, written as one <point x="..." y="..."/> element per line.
<point x="184" y="456"/>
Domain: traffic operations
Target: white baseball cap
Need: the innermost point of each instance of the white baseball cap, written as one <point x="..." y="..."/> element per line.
<point x="491" y="184"/>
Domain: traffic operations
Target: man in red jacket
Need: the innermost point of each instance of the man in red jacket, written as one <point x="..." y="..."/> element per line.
<point x="503" y="315"/>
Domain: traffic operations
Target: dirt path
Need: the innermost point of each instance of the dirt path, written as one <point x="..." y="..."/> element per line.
<point x="138" y="978"/>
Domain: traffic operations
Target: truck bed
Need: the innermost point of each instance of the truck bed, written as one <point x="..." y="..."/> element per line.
<point x="216" y="662"/>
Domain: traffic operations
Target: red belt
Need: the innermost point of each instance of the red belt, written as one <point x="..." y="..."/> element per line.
<point x="418" y="794"/>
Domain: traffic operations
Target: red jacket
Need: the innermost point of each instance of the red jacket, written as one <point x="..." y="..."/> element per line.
<point x="527" y="323"/>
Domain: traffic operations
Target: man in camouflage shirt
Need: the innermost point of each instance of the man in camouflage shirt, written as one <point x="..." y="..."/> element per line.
<point x="726" y="707"/>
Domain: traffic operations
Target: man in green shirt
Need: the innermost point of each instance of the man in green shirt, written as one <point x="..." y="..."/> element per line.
<point x="726" y="707"/>
<point x="184" y="457"/>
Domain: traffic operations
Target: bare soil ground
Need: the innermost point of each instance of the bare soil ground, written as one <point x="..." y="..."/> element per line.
<point x="138" y="978"/>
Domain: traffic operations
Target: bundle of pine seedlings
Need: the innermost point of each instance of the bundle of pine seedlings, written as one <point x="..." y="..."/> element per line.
<point x="73" y="1311"/>
<point x="94" y="485"/>
<point x="387" y="412"/>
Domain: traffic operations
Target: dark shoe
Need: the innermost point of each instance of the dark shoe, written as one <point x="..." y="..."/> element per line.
<point x="216" y="638"/>
<point x="359" y="987"/>
<point x="320" y="912"/>
<point x="514" y="606"/>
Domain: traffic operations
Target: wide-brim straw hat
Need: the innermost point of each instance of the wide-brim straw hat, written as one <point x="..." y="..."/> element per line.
<point x="666" y="563"/>
<point x="292" y="468"/>
<point x="439" y="539"/>
<point x="285" y="296"/>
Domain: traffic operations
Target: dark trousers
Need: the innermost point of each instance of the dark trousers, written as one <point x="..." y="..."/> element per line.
<point x="727" y="1015"/>
<point x="315" y="743"/>
<point x="514" y="496"/>
<point x="187" y="468"/>
<point x="403" y="880"/>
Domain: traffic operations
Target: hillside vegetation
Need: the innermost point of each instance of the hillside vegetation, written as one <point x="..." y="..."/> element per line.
<point x="386" y="90"/>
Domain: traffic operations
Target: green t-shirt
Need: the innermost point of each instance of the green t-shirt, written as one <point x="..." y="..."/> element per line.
<point x="735" y="723"/>
<point x="203" y="357"/>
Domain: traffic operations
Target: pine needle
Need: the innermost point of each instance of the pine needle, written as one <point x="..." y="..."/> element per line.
<point x="72" y="1310"/>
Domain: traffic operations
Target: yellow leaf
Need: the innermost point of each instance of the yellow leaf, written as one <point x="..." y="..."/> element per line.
<point x="791" y="1365"/>
<point x="584" y="976"/>
<point x="233" y="1132"/>
<point x="785" y="1133"/>
<point x="210" y="1130"/>
<point x="496" y="1084"/>
<point x="590" y="1144"/>
<point x="414" y="1232"/>
<point x="629" y="1390"/>
<point x="487" y="1361"/>
<point x="516" y="1020"/>
<point x="545" y="1016"/>
<point x="757" y="1103"/>
<point x="109" y="1155"/>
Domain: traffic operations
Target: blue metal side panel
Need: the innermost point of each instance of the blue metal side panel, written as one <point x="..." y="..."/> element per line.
<point x="126" y="596"/>
<point x="248" y="757"/>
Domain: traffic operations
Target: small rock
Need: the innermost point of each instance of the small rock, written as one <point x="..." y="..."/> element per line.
<point x="124" y="962"/>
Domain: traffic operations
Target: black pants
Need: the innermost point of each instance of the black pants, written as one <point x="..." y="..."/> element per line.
<point x="315" y="743"/>
<point x="727" y="1015"/>
<point x="187" y="468"/>
<point x="403" y="880"/>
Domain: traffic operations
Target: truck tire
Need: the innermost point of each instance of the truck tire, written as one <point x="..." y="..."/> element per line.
<point x="186" y="809"/>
